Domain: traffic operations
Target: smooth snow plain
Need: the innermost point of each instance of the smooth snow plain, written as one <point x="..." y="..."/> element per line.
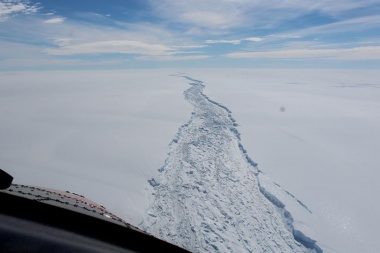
<point x="104" y="134"/>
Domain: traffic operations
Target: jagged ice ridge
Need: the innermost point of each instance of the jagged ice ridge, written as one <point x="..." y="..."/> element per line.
<point x="209" y="197"/>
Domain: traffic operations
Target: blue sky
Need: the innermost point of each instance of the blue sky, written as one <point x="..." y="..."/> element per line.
<point x="117" y="34"/>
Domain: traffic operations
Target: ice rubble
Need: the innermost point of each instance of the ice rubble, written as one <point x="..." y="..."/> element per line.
<point x="209" y="197"/>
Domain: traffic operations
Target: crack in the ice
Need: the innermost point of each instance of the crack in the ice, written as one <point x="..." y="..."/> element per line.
<point x="209" y="198"/>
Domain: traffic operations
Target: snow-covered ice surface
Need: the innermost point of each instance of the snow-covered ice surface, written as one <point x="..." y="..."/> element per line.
<point x="317" y="134"/>
<point x="104" y="134"/>
<point x="101" y="134"/>
<point x="209" y="197"/>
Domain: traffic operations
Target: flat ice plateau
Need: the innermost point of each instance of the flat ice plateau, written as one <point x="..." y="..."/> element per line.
<point x="102" y="134"/>
<point x="106" y="134"/>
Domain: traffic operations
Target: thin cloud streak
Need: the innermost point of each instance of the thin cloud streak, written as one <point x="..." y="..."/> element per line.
<point x="117" y="47"/>
<point x="172" y="58"/>
<point x="234" y="42"/>
<point x="345" y="26"/>
<point x="220" y="15"/>
<point x="57" y="20"/>
<point x="113" y="46"/>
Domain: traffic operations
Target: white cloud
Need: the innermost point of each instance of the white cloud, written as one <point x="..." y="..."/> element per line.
<point x="8" y="8"/>
<point x="73" y="38"/>
<point x="207" y="19"/>
<point x="235" y="42"/>
<point x="111" y="38"/>
<point x="363" y="28"/>
<point x="172" y="58"/>
<point x="113" y="46"/>
<point x="285" y="36"/>
<point x="57" y="20"/>
<point x="350" y="25"/>
<point x="76" y="39"/>
<point x="63" y="42"/>
<point x="159" y="51"/>
<point x="189" y="46"/>
<point x="23" y="56"/>
<point x="216" y="18"/>
<point x="205" y="14"/>
<point x="341" y="27"/>
<point x="254" y="39"/>
<point x="17" y="55"/>
<point x="219" y="15"/>
<point x="350" y="54"/>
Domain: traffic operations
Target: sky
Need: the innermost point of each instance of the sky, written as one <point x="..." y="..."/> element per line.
<point x="118" y="34"/>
